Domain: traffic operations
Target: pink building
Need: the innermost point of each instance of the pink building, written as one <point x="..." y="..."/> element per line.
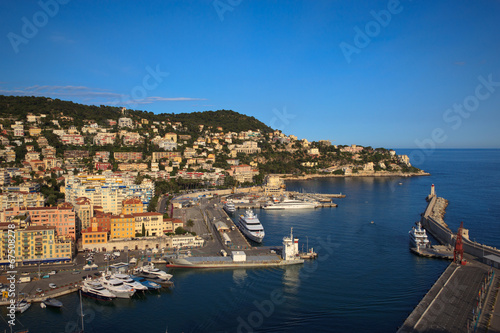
<point x="62" y="217"/>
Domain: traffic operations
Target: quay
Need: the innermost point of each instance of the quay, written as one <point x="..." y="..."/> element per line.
<point x="465" y="297"/>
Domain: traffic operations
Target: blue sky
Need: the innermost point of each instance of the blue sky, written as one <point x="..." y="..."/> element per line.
<point x="378" y="73"/>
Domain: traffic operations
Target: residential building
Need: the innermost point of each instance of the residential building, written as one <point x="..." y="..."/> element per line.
<point x="84" y="210"/>
<point x="107" y="191"/>
<point x="35" y="131"/>
<point x="34" y="244"/>
<point x="128" y="156"/>
<point x="183" y="241"/>
<point x="125" y="122"/>
<point x="94" y="237"/>
<point x="152" y="222"/>
<point x="242" y="173"/>
<point x="133" y="205"/>
<point x="21" y="199"/>
<point x="72" y="139"/>
<point x="76" y="154"/>
<point x="101" y="139"/>
<point x="122" y="226"/>
<point x="62" y="217"/>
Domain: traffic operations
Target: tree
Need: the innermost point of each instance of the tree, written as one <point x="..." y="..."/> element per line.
<point x="180" y="231"/>
<point x="143" y="230"/>
<point x="190" y="223"/>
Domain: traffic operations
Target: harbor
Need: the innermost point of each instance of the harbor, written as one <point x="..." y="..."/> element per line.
<point x="465" y="297"/>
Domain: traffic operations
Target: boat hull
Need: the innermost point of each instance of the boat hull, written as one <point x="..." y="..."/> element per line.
<point x="96" y="296"/>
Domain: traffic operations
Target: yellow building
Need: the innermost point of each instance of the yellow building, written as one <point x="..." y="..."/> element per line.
<point x="35" y="131"/>
<point x="35" y="243"/>
<point x="132" y="205"/>
<point x="122" y="226"/>
<point x="94" y="237"/>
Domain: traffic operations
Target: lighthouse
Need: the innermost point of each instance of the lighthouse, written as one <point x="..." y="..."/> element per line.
<point x="433" y="191"/>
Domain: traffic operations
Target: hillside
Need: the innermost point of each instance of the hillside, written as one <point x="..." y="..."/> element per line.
<point x="18" y="107"/>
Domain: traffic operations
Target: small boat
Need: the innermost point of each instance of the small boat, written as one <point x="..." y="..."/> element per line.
<point x="229" y="207"/>
<point x="94" y="289"/>
<point x="22" y="306"/>
<point x="52" y="302"/>
<point x="148" y="284"/>
<point x="418" y="237"/>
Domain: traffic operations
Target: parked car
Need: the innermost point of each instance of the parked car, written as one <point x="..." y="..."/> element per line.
<point x="52" y="285"/>
<point x="39" y="290"/>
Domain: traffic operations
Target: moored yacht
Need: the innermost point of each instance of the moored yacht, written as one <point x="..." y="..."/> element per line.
<point x="418" y="237"/>
<point x="94" y="289"/>
<point x="151" y="271"/>
<point x="251" y="227"/>
<point x="116" y="287"/>
<point x="229" y="207"/>
<point x="288" y="203"/>
<point x="128" y="281"/>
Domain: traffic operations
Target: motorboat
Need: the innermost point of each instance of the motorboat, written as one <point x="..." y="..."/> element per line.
<point x="128" y="281"/>
<point x="52" y="302"/>
<point x="418" y="237"/>
<point x="148" y="284"/>
<point x="151" y="271"/>
<point x="229" y="207"/>
<point x="288" y="203"/>
<point x="116" y="287"/>
<point x="94" y="289"/>
<point x="251" y="227"/>
<point x="22" y="305"/>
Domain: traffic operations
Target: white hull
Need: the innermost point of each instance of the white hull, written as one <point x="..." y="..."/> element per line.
<point x="251" y="227"/>
<point x="291" y="204"/>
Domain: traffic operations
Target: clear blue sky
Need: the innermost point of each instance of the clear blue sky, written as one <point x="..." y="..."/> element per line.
<point x="300" y="66"/>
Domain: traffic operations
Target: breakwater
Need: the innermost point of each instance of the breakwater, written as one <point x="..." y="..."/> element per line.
<point x="432" y="220"/>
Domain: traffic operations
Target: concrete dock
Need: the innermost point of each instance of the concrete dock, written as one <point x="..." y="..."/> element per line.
<point x="448" y="306"/>
<point x="465" y="297"/>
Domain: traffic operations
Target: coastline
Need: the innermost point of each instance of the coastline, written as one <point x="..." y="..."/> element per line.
<point x="359" y="174"/>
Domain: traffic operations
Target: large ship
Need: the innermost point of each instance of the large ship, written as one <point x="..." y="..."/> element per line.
<point x="418" y="237"/>
<point x="251" y="227"/>
<point x="239" y="259"/>
<point x="229" y="207"/>
<point x="288" y="203"/>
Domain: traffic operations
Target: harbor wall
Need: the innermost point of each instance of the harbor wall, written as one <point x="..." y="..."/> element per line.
<point x="446" y="237"/>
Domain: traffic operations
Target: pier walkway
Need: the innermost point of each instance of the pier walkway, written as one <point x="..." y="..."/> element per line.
<point x="449" y="304"/>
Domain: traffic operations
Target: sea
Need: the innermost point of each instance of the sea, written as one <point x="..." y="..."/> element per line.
<point x="365" y="279"/>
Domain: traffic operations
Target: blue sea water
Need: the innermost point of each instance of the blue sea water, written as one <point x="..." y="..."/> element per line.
<point x="365" y="279"/>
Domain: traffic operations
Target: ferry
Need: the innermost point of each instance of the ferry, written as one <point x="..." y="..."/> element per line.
<point x="292" y="204"/>
<point x="229" y="207"/>
<point x="418" y="237"/>
<point x="251" y="227"/>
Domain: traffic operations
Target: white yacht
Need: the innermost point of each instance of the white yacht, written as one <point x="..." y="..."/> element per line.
<point x="116" y="287"/>
<point x="151" y="271"/>
<point x="128" y="281"/>
<point x="418" y="237"/>
<point x="288" y="203"/>
<point x="22" y="305"/>
<point x="229" y="207"/>
<point x="251" y="227"/>
<point x="95" y="290"/>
